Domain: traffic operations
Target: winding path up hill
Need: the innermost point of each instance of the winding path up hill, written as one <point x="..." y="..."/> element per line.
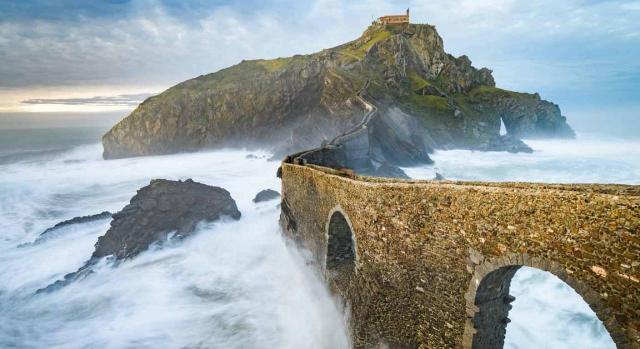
<point x="296" y="103"/>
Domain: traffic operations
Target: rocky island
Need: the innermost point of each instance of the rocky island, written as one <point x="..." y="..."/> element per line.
<point x="425" y="99"/>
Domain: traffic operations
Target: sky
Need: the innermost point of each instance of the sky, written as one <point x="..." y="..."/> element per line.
<point x="64" y="56"/>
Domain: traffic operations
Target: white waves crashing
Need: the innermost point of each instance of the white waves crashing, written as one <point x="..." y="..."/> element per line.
<point x="584" y="160"/>
<point x="232" y="285"/>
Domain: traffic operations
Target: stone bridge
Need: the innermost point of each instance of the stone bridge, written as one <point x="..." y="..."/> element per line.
<point x="428" y="264"/>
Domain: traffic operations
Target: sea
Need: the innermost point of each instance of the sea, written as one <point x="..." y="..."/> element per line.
<point x="234" y="284"/>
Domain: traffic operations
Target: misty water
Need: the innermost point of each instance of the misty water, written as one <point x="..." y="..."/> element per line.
<point x="234" y="284"/>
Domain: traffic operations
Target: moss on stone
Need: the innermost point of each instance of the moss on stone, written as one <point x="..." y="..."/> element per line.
<point x="416" y="82"/>
<point x="488" y="90"/>
<point x="358" y="48"/>
<point x="434" y="103"/>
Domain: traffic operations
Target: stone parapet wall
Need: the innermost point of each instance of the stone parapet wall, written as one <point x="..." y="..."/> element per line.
<point x="432" y="258"/>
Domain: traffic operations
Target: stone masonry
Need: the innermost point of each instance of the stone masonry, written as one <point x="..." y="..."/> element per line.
<point x="434" y="259"/>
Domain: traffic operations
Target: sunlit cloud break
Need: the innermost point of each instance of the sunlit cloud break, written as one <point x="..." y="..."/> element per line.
<point x="125" y="100"/>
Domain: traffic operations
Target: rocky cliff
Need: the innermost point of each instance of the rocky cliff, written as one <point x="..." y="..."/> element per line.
<point x="295" y="103"/>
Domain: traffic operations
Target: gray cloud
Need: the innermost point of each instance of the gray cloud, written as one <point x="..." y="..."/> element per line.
<point x="154" y="44"/>
<point x="126" y="100"/>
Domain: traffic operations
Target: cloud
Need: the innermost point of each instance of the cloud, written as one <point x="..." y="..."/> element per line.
<point x="530" y="45"/>
<point x="127" y="100"/>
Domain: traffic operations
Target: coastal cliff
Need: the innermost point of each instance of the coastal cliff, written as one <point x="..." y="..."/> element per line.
<point x="296" y="103"/>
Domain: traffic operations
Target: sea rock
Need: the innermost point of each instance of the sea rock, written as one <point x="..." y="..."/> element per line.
<point x="76" y="220"/>
<point x="266" y="195"/>
<point x="161" y="208"/>
<point x="387" y="170"/>
<point x="295" y="103"/>
<point x="505" y="143"/>
<point x="157" y="210"/>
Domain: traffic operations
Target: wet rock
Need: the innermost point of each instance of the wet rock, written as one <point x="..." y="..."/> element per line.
<point x="266" y="195"/>
<point x="84" y="271"/>
<point x="251" y="157"/>
<point x="155" y="213"/>
<point x="159" y="209"/>
<point x="76" y="220"/>
<point x="79" y="220"/>
<point x="505" y="143"/>
<point x="388" y="170"/>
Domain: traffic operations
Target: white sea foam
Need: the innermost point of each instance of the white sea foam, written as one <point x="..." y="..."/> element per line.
<point x="548" y="313"/>
<point x="232" y="285"/>
<point x="237" y="284"/>
<point x="584" y="160"/>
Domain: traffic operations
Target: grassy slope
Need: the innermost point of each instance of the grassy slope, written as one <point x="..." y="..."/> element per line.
<point x="436" y="112"/>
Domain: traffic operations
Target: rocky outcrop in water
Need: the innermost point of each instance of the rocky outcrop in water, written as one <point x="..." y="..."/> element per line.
<point x="266" y="195"/>
<point x="76" y="220"/>
<point x="505" y="143"/>
<point x="161" y="210"/>
<point x="387" y="170"/>
<point x="426" y="99"/>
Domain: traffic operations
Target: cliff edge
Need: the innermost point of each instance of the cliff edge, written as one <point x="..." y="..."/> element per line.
<point x="295" y="103"/>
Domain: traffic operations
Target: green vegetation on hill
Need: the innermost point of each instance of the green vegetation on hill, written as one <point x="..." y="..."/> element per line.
<point x="273" y="65"/>
<point x="416" y="81"/>
<point x="359" y="48"/>
<point x="298" y="102"/>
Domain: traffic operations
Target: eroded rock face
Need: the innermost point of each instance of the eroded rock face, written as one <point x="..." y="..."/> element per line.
<point x="388" y="170"/>
<point x="266" y="195"/>
<point x="157" y="210"/>
<point x="505" y="143"/>
<point x="161" y="208"/>
<point x="75" y="220"/>
<point x="292" y="104"/>
<point x="525" y="115"/>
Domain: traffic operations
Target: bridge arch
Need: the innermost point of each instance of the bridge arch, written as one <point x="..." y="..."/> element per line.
<point x="488" y="300"/>
<point x="341" y="255"/>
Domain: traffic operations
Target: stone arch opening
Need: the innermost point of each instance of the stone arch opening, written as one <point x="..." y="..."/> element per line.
<point x="489" y="301"/>
<point x="341" y="250"/>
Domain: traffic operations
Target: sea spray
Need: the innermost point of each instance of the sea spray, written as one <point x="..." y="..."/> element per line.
<point x="231" y="285"/>
<point x="586" y="159"/>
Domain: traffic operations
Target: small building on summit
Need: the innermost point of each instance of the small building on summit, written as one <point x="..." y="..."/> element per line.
<point x="394" y="19"/>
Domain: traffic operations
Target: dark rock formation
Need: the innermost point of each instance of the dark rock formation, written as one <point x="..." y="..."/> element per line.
<point x="157" y="210"/>
<point x="439" y="177"/>
<point x="427" y="99"/>
<point x="399" y="138"/>
<point x="266" y="195"/>
<point x="505" y="143"/>
<point x="76" y="220"/>
<point x="388" y="170"/>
